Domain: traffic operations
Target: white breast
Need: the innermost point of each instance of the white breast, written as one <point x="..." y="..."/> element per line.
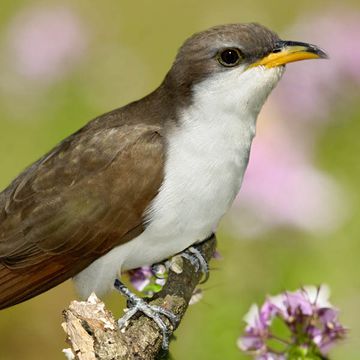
<point x="206" y="159"/>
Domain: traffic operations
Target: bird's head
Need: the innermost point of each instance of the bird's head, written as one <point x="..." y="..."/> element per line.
<point x="235" y="64"/>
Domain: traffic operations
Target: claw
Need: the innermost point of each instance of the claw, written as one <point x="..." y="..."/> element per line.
<point x="151" y="311"/>
<point x="197" y="260"/>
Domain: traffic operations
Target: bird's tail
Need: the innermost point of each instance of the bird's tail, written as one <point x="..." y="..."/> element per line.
<point x="17" y="285"/>
<point x="12" y="287"/>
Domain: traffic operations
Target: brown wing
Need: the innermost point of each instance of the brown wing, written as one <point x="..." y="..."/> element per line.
<point x="75" y="204"/>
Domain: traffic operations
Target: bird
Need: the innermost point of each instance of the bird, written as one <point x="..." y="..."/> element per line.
<point x="147" y="180"/>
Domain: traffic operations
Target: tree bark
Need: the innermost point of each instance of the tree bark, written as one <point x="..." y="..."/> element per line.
<point x="93" y="333"/>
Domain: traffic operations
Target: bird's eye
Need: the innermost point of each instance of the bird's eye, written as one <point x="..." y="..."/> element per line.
<point x="229" y="57"/>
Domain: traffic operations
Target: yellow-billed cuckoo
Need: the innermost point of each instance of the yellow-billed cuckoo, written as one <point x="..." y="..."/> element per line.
<point x="145" y="181"/>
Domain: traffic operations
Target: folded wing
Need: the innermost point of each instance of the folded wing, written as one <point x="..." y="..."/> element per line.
<point x="79" y="201"/>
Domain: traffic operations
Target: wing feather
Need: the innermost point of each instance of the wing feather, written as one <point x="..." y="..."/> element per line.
<point x="76" y="203"/>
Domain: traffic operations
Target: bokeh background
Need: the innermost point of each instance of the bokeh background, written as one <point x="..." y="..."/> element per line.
<point x="297" y="218"/>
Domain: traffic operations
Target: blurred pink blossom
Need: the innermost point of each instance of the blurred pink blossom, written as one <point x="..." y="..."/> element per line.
<point x="46" y="42"/>
<point x="311" y="89"/>
<point x="282" y="187"/>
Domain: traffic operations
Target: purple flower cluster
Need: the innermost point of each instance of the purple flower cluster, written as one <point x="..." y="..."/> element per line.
<point x="140" y="277"/>
<point x="311" y="321"/>
<point x="148" y="279"/>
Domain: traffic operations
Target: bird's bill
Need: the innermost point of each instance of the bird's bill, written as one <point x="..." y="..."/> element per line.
<point x="290" y="51"/>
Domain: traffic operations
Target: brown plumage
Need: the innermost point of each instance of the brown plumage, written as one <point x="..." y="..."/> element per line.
<point x="80" y="200"/>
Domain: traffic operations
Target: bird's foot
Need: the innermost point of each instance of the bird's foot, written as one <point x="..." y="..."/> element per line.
<point x="136" y="304"/>
<point x="197" y="260"/>
<point x="192" y="254"/>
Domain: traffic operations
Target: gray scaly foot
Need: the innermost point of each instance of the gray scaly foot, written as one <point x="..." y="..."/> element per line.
<point x="197" y="260"/>
<point x="151" y="311"/>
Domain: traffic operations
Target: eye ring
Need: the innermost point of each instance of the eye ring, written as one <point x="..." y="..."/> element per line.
<point x="229" y="57"/>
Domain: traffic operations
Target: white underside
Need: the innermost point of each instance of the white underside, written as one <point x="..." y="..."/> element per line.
<point x="206" y="160"/>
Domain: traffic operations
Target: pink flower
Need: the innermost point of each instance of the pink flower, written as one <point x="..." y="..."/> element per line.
<point x="310" y="318"/>
<point x="148" y="279"/>
<point x="256" y="332"/>
<point x="140" y="277"/>
<point x="46" y="42"/>
<point x="311" y="89"/>
<point x="282" y="187"/>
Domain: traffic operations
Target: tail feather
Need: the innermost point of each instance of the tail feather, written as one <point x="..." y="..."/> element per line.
<point x="17" y="286"/>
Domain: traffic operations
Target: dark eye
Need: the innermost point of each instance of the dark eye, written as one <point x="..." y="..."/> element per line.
<point x="229" y="57"/>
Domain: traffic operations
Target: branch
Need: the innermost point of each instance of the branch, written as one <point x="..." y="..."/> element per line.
<point x="93" y="332"/>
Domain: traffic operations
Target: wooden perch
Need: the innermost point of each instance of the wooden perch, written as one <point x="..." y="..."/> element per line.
<point x="93" y="332"/>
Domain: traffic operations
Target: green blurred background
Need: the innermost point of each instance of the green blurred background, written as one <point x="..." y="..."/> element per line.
<point x="65" y="62"/>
